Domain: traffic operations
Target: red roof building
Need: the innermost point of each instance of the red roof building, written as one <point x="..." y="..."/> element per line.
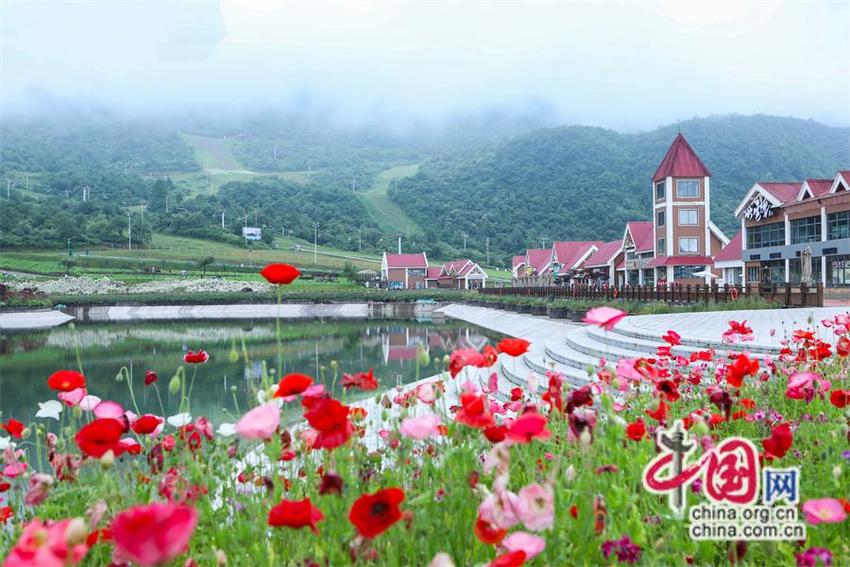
<point x="457" y="274"/>
<point x="680" y="161"/>
<point x="404" y="271"/>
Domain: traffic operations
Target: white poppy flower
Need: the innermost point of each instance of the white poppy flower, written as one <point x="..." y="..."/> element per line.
<point x="50" y="408"/>
<point x="180" y="419"/>
<point x="5" y="443"/>
<point x="227" y="429"/>
<point x="89" y="402"/>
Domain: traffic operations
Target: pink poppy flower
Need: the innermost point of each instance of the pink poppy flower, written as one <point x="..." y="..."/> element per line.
<point x="154" y="533"/>
<point x="49" y="543"/>
<point x="39" y="487"/>
<point x="536" y="507"/>
<point x="109" y="410"/>
<point x="500" y="509"/>
<point x="72" y="397"/>
<point x="420" y="427"/>
<point x="531" y="544"/>
<point x="426" y="393"/>
<point x="824" y="511"/>
<point x="259" y="423"/>
<point x="605" y="317"/>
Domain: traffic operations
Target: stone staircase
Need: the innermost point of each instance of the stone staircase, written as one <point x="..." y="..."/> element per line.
<point x="576" y="353"/>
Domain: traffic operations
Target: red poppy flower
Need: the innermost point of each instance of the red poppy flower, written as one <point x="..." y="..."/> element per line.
<point x="150" y="377"/>
<point x="4" y="486"/>
<point x="513" y="347"/>
<point x="842" y="346"/>
<point x="659" y="413"/>
<point x="280" y="274"/>
<point x="488" y="533"/>
<point x="530" y="425"/>
<point x="740" y="368"/>
<point x="196" y="357"/>
<point x="489" y="356"/>
<point x="496" y="433"/>
<point x="474" y="411"/>
<point x="462" y="358"/>
<point x="509" y="559"/>
<point x="14" y="427"/>
<point x="330" y="419"/>
<point x="516" y="394"/>
<point x="146" y="424"/>
<point x="66" y="380"/>
<point x="362" y="380"/>
<point x="373" y="514"/>
<point x="840" y="398"/>
<point x="668" y="390"/>
<point x="636" y="431"/>
<point x="292" y="385"/>
<point x="673" y="338"/>
<point x="295" y="514"/>
<point x="6" y="512"/>
<point x="779" y="442"/>
<point x="100" y="436"/>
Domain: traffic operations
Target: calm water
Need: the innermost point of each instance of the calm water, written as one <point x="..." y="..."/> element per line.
<point x="388" y="346"/>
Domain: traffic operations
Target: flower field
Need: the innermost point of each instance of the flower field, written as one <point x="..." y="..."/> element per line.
<point x="448" y="471"/>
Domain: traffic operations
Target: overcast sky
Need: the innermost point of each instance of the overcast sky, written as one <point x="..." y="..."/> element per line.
<point x="625" y="65"/>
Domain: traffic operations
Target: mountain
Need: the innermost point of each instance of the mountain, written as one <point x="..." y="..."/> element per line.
<point x="583" y="183"/>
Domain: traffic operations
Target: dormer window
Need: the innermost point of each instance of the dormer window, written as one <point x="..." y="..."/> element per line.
<point x="659" y="190"/>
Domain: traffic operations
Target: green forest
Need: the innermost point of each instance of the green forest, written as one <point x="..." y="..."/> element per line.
<point x="582" y="183"/>
<point x="497" y="178"/>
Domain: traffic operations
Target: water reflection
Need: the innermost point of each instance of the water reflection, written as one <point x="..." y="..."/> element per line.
<point x="239" y="352"/>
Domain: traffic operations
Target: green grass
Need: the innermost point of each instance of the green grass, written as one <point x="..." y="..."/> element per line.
<point x="390" y="218"/>
<point x="212" y="153"/>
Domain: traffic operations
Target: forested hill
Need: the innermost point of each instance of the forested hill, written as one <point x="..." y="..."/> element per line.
<point x="575" y="182"/>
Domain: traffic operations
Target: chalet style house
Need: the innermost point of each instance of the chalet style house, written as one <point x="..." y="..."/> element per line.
<point x="783" y="221"/>
<point x="679" y="244"/>
<point x="411" y="271"/>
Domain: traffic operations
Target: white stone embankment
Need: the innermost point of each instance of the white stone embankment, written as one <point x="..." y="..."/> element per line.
<point x="32" y="320"/>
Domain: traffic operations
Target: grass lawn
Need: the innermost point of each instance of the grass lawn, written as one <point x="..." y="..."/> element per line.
<point x="212" y="153"/>
<point x="390" y="218"/>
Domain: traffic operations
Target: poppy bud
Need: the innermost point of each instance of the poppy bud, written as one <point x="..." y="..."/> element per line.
<point x="334" y="364"/>
<point x="836" y="471"/>
<point x="220" y="558"/>
<point x="107" y="459"/>
<point x="174" y="384"/>
<point x="119" y="377"/>
<point x="234" y="357"/>
<point x="422" y="357"/>
<point x="233" y="389"/>
<point x="78" y="412"/>
<point x="76" y="532"/>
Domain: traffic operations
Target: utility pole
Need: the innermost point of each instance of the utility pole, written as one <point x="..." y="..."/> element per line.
<point x="222" y="219"/>
<point x="487" y="241"/>
<point x="8" y="189"/>
<point x="543" y="242"/>
<point x="352" y="185"/>
<point x="166" y="202"/>
<point x="144" y="204"/>
<point x="129" y="231"/>
<point x="359" y="241"/>
<point x="464" y="239"/>
<point x="399" y="244"/>
<point x="315" y="242"/>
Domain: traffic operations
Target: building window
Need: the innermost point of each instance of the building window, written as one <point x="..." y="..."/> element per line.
<point x="648" y="277"/>
<point x="772" y="234"/>
<point x="660" y="190"/>
<point x="805" y="230"/>
<point x="689" y="245"/>
<point x="795" y="270"/>
<point x="773" y="271"/>
<point x="416" y="272"/>
<point x="688" y="217"/>
<point x="662" y="248"/>
<point x="686" y="272"/>
<point x="660" y="217"/>
<point x="687" y="188"/>
<point x="838" y="274"/>
<point x="838" y="225"/>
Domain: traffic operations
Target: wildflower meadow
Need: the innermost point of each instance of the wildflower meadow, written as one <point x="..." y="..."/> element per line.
<point x="449" y="471"/>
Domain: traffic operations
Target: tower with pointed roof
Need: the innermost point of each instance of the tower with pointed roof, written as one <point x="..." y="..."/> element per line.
<point x="685" y="239"/>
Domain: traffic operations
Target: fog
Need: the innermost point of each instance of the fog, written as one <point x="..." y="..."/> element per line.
<point x="628" y="65"/>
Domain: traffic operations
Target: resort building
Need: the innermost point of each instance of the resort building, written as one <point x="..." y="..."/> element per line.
<point x="404" y="271"/>
<point x="678" y="245"/>
<point x="457" y="274"/>
<point x="782" y="223"/>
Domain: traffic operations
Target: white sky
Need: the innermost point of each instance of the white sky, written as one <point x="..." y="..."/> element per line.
<point x="626" y="65"/>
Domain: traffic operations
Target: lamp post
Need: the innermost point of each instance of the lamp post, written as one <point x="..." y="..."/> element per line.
<point x="315" y="242"/>
<point x="129" y="231"/>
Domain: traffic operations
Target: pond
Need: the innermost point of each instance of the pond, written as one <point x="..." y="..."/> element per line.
<point x="398" y="350"/>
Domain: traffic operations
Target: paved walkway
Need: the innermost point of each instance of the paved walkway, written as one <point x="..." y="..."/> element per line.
<point x="34" y="320"/>
<point x="707" y="328"/>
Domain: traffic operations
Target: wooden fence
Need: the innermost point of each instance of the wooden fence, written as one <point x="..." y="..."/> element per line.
<point x="786" y="294"/>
